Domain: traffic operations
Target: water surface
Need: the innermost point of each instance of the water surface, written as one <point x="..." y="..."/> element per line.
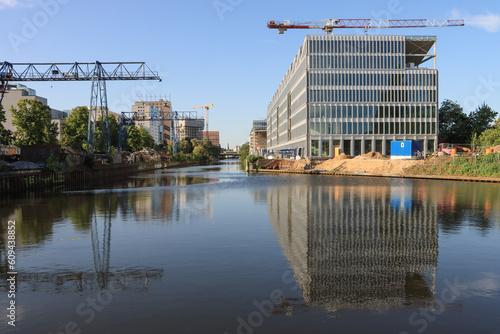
<point x="212" y="250"/>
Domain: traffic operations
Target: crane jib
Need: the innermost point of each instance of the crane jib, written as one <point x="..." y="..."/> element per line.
<point x="328" y="25"/>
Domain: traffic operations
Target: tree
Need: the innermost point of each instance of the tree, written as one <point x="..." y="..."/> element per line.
<point x="5" y="134"/>
<point x="134" y="140"/>
<point x="147" y="139"/>
<point x="75" y="129"/>
<point x="454" y="124"/>
<point x="491" y="137"/>
<point x="244" y="151"/>
<point x="204" y="149"/>
<point x="186" y="146"/>
<point x="100" y="143"/>
<point x="34" y="123"/>
<point x="481" y="119"/>
<point x="170" y="148"/>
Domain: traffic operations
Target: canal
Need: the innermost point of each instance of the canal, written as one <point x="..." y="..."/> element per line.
<point x="210" y="249"/>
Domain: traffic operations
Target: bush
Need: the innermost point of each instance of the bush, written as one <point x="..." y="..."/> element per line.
<point x="252" y="158"/>
<point x="181" y="157"/>
<point x="491" y="158"/>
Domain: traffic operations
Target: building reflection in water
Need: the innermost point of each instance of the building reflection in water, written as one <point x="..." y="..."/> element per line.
<point x="358" y="246"/>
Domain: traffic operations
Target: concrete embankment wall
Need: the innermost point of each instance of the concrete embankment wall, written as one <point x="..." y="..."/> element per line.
<point x="23" y="184"/>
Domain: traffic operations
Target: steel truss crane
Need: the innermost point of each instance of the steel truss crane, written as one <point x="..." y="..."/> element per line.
<point x="98" y="73"/>
<point x="129" y="118"/>
<point x="329" y="25"/>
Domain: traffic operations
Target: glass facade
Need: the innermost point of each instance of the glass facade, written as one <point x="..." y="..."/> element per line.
<point x="361" y="91"/>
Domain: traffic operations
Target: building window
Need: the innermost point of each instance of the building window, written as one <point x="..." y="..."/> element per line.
<point x="368" y="145"/>
<point x="430" y="145"/>
<point x="289" y="116"/>
<point x="347" y="147"/>
<point x="357" y="147"/>
<point x="315" y="148"/>
<point x="325" y="152"/>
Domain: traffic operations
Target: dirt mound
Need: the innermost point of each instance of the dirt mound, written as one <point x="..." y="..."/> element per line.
<point x="372" y="155"/>
<point x="342" y="156"/>
<point x="372" y="166"/>
<point x="496" y="148"/>
<point x="284" y="164"/>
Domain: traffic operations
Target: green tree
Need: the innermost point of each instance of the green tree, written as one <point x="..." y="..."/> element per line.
<point x="204" y="149"/>
<point x="186" y="146"/>
<point x="454" y="124"/>
<point x="5" y="135"/>
<point x="481" y="119"/>
<point x="113" y="130"/>
<point x="170" y="148"/>
<point x="75" y="129"/>
<point x="134" y="140"/>
<point x="147" y="139"/>
<point x="201" y="149"/>
<point x="34" y="123"/>
<point x="244" y="151"/>
<point x="491" y="137"/>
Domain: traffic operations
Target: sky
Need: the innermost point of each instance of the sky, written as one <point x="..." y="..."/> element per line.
<point x="221" y="52"/>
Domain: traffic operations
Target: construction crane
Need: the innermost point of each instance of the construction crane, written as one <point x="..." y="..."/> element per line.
<point x="97" y="72"/>
<point x="329" y="25"/>
<point x="208" y="106"/>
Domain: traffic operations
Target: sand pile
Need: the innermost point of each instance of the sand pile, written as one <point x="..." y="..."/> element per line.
<point x="284" y="164"/>
<point x="496" y="148"/>
<point x="372" y="155"/>
<point x="302" y="164"/>
<point x="342" y="156"/>
<point x="372" y="162"/>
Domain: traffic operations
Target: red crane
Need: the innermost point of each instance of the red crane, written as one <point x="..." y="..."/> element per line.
<point x="329" y="25"/>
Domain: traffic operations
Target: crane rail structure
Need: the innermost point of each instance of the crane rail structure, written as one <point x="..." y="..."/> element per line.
<point x="97" y="72"/>
<point x="128" y="118"/>
<point x="75" y="71"/>
<point x="329" y="25"/>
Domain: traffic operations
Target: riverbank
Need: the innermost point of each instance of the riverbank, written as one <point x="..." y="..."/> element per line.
<point x="26" y="182"/>
<point x="370" y="163"/>
<point x="376" y="165"/>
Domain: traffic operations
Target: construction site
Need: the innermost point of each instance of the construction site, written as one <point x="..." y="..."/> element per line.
<point x="469" y="166"/>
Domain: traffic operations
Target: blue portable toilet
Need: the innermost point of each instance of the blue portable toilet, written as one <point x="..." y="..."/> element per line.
<point x="405" y="149"/>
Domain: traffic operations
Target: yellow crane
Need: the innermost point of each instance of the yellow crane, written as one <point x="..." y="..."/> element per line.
<point x="208" y="106"/>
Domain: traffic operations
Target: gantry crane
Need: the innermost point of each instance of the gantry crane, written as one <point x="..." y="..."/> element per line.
<point x="129" y="118"/>
<point x="329" y="25"/>
<point x="208" y="106"/>
<point x="97" y="72"/>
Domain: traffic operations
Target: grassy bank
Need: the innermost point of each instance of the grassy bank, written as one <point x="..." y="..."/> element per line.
<point x="482" y="165"/>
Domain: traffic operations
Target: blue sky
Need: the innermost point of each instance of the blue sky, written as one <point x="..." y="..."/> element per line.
<point x="221" y="52"/>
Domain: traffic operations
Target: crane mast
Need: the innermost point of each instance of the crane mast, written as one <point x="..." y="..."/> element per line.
<point x="207" y="107"/>
<point x="329" y="25"/>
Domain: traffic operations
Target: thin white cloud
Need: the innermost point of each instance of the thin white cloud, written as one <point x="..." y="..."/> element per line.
<point x="487" y="287"/>
<point x="8" y="4"/>
<point x="489" y="21"/>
